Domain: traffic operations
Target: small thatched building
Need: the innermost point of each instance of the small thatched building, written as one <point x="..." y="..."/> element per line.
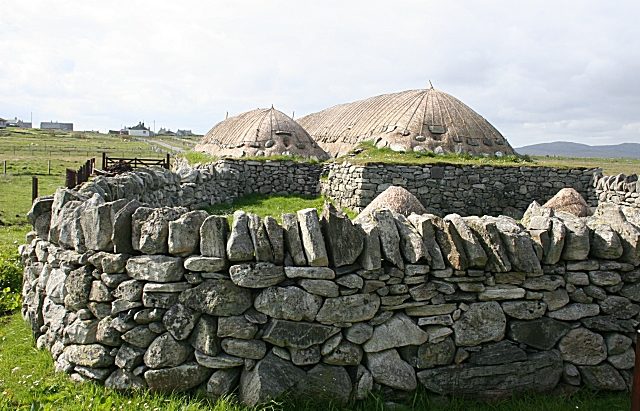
<point x="414" y="120"/>
<point x="260" y="132"/>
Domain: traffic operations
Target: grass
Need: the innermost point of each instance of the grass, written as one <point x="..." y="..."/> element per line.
<point x="28" y="382"/>
<point x="609" y="166"/>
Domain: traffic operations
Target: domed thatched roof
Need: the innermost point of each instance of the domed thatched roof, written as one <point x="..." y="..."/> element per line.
<point x="417" y="120"/>
<point x="260" y="132"/>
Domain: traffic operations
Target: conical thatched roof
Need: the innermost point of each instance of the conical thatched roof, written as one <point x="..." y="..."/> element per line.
<point x="417" y="120"/>
<point x="260" y="132"/>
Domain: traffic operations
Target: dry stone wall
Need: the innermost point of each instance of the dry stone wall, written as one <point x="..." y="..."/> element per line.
<point x="619" y="189"/>
<point x="462" y="189"/>
<point x="168" y="299"/>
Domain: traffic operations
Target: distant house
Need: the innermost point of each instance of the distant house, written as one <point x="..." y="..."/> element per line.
<point x="54" y="125"/>
<point x="15" y="122"/>
<point x="165" y="132"/>
<point x="183" y="133"/>
<point x="140" y="130"/>
<point x="3" y="123"/>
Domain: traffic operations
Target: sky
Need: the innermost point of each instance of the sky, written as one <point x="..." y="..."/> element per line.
<point x="539" y="71"/>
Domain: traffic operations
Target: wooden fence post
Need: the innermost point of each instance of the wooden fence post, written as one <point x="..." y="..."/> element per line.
<point x="5" y="167"/>
<point x="635" y="392"/>
<point x="167" y="165"/>
<point x="34" y="188"/>
<point x="70" y="180"/>
<point x="104" y="160"/>
<point x="49" y="167"/>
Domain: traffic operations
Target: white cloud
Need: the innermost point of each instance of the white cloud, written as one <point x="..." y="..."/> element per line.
<point x="538" y="70"/>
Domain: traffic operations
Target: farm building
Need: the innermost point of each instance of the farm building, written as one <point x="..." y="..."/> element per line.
<point x="3" y="123"/>
<point x="54" y="125"/>
<point x="139" y="130"/>
<point x="260" y="132"/>
<point x="413" y="120"/>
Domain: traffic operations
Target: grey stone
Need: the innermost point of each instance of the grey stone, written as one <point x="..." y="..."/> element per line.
<point x="519" y="245"/>
<point x="524" y="310"/>
<point x="90" y="355"/>
<point x="353" y="281"/>
<point x="165" y="287"/>
<point x="488" y="235"/>
<point x="261" y="246"/>
<point x="344" y="239"/>
<point x="609" y="323"/>
<point x="179" y="321"/>
<point x="184" y="233"/>
<point x="217" y="297"/>
<point x="288" y="303"/>
<point x="631" y="291"/>
<point x="583" y="347"/>
<point x="100" y="292"/>
<point x="542" y="333"/>
<point x="223" y="382"/>
<point x="324" y="288"/>
<point x="623" y="361"/>
<point x="389" y="369"/>
<point x="114" y="263"/>
<point x="351" y="308"/>
<point x="213" y="237"/>
<point x="275" y="232"/>
<point x="121" y="235"/>
<point x="157" y="268"/>
<point x="604" y="278"/>
<point x="236" y="326"/>
<point x="239" y="244"/>
<point x="257" y="275"/>
<point x="617" y="343"/>
<point x="498" y="353"/>
<point x="205" y="264"/>
<point x="556" y="299"/>
<point x="576" y="243"/>
<point x="501" y="292"/>
<point x="398" y="331"/>
<point x="605" y="243"/>
<point x="159" y="300"/>
<point x="430" y="354"/>
<point x="430" y="310"/>
<point x="292" y="239"/>
<point x="575" y="311"/>
<point x="371" y="256"/>
<point x="181" y="378"/>
<point x="296" y="334"/>
<point x="166" y="351"/>
<point x="140" y="336"/>
<point x="425" y="226"/>
<point x="153" y="229"/>
<point x="423" y="292"/>
<point x="545" y="282"/>
<point x="411" y="244"/>
<point x="271" y="378"/>
<point x="312" y="239"/>
<point x="476" y="257"/>
<point x="436" y="320"/>
<point x="326" y="382"/>
<point x="77" y="286"/>
<point x="81" y="332"/>
<point x="314" y="273"/>
<point x="220" y="361"/>
<point x="129" y="357"/>
<point x="619" y="307"/>
<point x="254" y="349"/>
<point x="363" y="383"/>
<point x="107" y="334"/>
<point x="602" y="377"/>
<point x="483" y="322"/>
<point x="123" y="380"/>
<point x="305" y="356"/>
<point x="331" y="344"/>
<point x="204" y="338"/>
<point x="389" y="237"/>
<point x="540" y="372"/>
<point x="96" y="224"/>
<point x="130" y="290"/>
<point x="359" y="333"/>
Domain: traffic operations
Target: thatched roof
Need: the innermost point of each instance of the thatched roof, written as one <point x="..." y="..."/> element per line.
<point x="260" y="132"/>
<point x="415" y="120"/>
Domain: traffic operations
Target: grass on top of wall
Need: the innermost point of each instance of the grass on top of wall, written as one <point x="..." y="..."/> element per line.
<point x="28" y="382"/>
<point x="197" y="157"/>
<point x="271" y="205"/>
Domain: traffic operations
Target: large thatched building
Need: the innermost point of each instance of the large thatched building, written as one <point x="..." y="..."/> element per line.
<point x="260" y="132"/>
<point x="414" y="120"/>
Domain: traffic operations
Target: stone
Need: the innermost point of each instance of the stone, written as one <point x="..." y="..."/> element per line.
<point x="542" y="333"/>
<point x="223" y="382"/>
<point x="77" y="286"/>
<point x="217" y="297"/>
<point x="371" y="256"/>
<point x="130" y="290"/>
<point x="545" y="282"/>
<point x="114" y="263"/>
<point x="631" y="291"/>
<point x="121" y="235"/>
<point x="288" y="303"/>
<point x="581" y="346"/>
<point x="179" y="321"/>
<point x="396" y="332"/>
<point x="411" y="245"/>
<point x="576" y="243"/>
<point x="296" y="334"/>
<point x="213" y="237"/>
<point x="166" y="351"/>
<point x="489" y="237"/>
<point x="351" y="308"/>
<point x="518" y="244"/>
<point x="312" y="239"/>
<point x="292" y="240"/>
<point x="254" y="349"/>
<point x="501" y="292"/>
<point x="387" y="368"/>
<point x="177" y="379"/>
<point x="436" y="320"/>
<point x="389" y="237"/>
<point x="271" y="378"/>
<point x="575" y="311"/>
<point x="305" y="356"/>
<point x="568" y="200"/>
<point x="430" y="310"/>
<point x="205" y="264"/>
<point x="107" y="334"/>
<point x="100" y="292"/>
<point x="498" y="353"/>
<point x="324" y="288"/>
<point x="326" y="383"/>
<point x="605" y="243"/>
<point x="150" y="229"/>
<point x="344" y="239"/>
<point x="359" y="333"/>
<point x="604" y="278"/>
<point x="617" y="343"/>
<point x="184" y="233"/>
<point x="239" y="245"/>
<point x="619" y="307"/>
<point x="363" y="383"/>
<point x="204" y="337"/>
<point x="524" y="310"/>
<point x="96" y="224"/>
<point x="451" y="245"/>
<point x="314" y="273"/>
<point x="609" y="323"/>
<point x="425" y="226"/>
<point x="353" y="281"/>
<point x="613" y="216"/>
<point x="602" y="377"/>
<point x="261" y="246"/>
<point x="624" y="361"/>
<point x="165" y="287"/>
<point x="81" y="332"/>
<point x="556" y="299"/>
<point x="430" y="355"/>
<point x="220" y="361"/>
<point x="129" y="357"/>
<point x="89" y="355"/>
<point x="140" y="336"/>
<point x="236" y="326"/>
<point x="124" y="380"/>
<point x="156" y="268"/>
<point x="275" y="233"/>
<point x="540" y="372"/>
<point x="476" y="256"/>
<point x="257" y="275"/>
<point x="482" y="322"/>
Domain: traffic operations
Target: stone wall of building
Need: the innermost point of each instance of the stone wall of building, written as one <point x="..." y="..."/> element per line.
<point x="619" y="189"/>
<point x="168" y="299"/>
<point x="462" y="189"/>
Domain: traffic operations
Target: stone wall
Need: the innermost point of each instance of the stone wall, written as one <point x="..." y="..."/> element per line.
<point x="619" y="189"/>
<point x="168" y="299"/>
<point x="462" y="189"/>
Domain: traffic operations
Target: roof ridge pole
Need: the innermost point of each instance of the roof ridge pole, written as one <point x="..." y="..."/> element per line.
<point x="430" y="85"/>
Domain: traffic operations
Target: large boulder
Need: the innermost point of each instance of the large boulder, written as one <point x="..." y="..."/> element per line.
<point x="396" y="199"/>
<point x="568" y="200"/>
<point x="271" y="378"/>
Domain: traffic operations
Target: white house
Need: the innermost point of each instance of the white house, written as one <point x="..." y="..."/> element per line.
<point x="140" y="130"/>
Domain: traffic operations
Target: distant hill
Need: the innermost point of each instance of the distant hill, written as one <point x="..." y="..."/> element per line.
<point x="567" y="149"/>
